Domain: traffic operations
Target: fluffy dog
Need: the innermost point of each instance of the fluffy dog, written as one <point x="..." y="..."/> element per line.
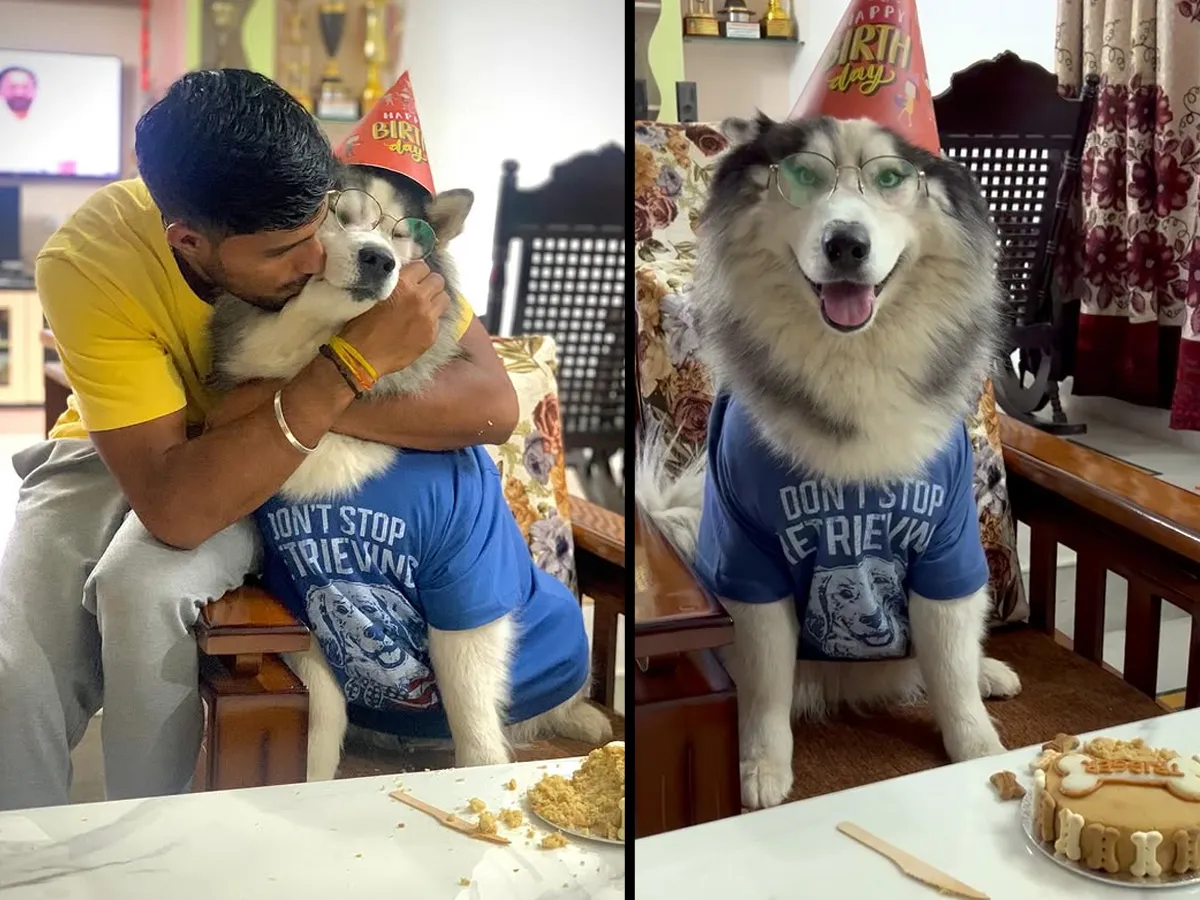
<point x="426" y="537"/>
<point x="848" y="307"/>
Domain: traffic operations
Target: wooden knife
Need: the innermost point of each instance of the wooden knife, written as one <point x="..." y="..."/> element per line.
<point x="910" y="865"/>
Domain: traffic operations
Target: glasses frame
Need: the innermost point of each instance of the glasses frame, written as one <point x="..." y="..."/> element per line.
<point x="332" y="197"/>
<point x="922" y="183"/>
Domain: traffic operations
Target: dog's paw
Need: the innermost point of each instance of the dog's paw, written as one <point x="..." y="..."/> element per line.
<point x="997" y="680"/>
<point x="766" y="782"/>
<point x="972" y="741"/>
<point x="588" y="724"/>
<point x="466" y="757"/>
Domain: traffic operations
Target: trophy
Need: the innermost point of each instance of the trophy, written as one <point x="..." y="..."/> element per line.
<point x="777" y="21"/>
<point x="334" y="103"/>
<point x="700" y="20"/>
<point x="297" y="67"/>
<point x="737" y="21"/>
<point x="225" y="20"/>
<point x="375" y="51"/>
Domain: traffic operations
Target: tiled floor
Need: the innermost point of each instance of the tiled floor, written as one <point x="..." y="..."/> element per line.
<point x="18" y="429"/>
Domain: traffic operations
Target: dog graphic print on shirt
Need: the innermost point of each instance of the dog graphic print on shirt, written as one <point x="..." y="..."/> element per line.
<point x="848" y="554"/>
<point x="429" y="542"/>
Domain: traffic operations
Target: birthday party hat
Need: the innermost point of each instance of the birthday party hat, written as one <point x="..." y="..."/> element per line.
<point x="874" y="68"/>
<point x="390" y="137"/>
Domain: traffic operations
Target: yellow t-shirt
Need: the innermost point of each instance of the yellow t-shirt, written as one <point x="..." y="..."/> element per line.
<point x="131" y="333"/>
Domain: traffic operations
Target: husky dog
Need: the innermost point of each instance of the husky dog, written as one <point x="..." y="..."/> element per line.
<point x="388" y="655"/>
<point x="848" y="307"/>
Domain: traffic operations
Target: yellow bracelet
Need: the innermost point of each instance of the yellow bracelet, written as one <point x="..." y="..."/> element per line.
<point x="344" y="349"/>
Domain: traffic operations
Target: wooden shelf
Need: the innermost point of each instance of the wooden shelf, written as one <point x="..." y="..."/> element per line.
<point x="717" y="39"/>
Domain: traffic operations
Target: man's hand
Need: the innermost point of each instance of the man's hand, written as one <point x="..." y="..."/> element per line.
<point x="393" y="333"/>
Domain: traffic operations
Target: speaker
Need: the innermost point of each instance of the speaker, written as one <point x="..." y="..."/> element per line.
<point x="641" y="105"/>
<point x="685" y="101"/>
<point x="10" y="223"/>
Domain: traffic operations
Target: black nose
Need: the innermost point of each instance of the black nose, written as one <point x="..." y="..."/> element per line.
<point x="846" y="244"/>
<point x="373" y="261"/>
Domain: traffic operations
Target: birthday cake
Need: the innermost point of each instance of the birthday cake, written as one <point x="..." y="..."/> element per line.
<point x="1119" y="806"/>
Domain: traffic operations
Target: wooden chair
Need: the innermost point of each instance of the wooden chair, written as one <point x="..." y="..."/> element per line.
<point x="1005" y="120"/>
<point x="256" y="709"/>
<point x="571" y="286"/>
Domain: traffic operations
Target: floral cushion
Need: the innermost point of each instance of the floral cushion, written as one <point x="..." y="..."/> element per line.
<point x="674" y="165"/>
<point x="532" y="462"/>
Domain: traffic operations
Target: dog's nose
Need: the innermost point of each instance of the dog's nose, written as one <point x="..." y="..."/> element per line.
<point x="374" y="261"/>
<point x="846" y="244"/>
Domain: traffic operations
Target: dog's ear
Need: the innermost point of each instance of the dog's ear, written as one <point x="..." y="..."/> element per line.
<point x="448" y="211"/>
<point x="743" y="131"/>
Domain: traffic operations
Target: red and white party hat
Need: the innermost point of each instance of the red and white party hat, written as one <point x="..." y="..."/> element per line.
<point x="390" y="137"/>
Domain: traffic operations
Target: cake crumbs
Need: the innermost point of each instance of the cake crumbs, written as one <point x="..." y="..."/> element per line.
<point x="486" y="823"/>
<point x="511" y="784"/>
<point x="399" y="824"/>
<point x="465" y="882"/>
<point x="358" y="856"/>
<point x="476" y="805"/>
<point x="529" y="833"/>
<point x="553" y="841"/>
<point x="512" y="818"/>
<point x="592" y="800"/>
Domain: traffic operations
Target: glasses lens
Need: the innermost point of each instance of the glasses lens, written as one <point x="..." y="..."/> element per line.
<point x="413" y="239"/>
<point x="356" y="210"/>
<point x="805" y="177"/>
<point x="891" y="180"/>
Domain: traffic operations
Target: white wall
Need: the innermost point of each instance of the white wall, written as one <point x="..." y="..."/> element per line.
<point x="537" y="82"/>
<point x="70" y="28"/>
<point x="955" y="33"/>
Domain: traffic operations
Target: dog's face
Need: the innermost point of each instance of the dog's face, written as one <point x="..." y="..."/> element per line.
<point x="848" y="206"/>
<point x="377" y="223"/>
<point x="862" y="602"/>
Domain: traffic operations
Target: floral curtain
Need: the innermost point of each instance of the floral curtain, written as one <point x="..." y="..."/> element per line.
<point x="1136" y="256"/>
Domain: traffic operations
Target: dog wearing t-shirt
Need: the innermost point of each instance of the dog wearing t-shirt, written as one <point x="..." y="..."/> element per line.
<point x="846" y="301"/>
<point x="429" y="616"/>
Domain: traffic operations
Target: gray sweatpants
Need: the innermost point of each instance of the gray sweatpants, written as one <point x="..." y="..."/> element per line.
<point x="94" y="610"/>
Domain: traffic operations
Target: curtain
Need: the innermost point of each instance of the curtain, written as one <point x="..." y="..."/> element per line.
<point x="1134" y="260"/>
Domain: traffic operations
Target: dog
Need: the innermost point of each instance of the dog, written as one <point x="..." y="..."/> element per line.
<point x="377" y="653"/>
<point x="847" y="305"/>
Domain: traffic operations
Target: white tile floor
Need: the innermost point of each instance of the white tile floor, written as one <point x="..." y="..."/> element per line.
<point x="18" y="429"/>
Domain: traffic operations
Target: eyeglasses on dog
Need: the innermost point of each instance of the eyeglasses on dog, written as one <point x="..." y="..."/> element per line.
<point x="357" y="211"/>
<point x="807" y="177"/>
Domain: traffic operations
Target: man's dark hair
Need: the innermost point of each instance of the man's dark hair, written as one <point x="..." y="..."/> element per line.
<point x="229" y="152"/>
<point x="29" y="72"/>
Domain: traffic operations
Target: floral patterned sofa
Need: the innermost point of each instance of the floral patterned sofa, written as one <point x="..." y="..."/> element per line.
<point x="1062" y="690"/>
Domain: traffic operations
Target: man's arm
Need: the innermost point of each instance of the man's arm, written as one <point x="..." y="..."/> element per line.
<point x="470" y="401"/>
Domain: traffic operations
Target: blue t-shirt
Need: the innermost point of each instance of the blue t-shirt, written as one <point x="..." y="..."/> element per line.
<point x="848" y="553"/>
<point x="428" y="542"/>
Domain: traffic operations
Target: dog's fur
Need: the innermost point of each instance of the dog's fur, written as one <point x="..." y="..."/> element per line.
<point x="471" y="667"/>
<point x="869" y="406"/>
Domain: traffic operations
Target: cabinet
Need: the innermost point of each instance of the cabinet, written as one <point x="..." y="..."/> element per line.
<point x="20" y="349"/>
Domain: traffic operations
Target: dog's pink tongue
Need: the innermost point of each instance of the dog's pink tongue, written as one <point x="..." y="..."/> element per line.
<point x="847" y="304"/>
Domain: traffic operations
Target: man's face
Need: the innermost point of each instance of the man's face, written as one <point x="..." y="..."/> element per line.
<point x="266" y="269"/>
<point x="18" y="89"/>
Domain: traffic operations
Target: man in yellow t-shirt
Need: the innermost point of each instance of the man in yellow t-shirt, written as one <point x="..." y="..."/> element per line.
<point x="133" y="515"/>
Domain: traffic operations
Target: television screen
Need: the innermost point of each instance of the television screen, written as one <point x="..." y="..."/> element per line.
<point x="60" y="114"/>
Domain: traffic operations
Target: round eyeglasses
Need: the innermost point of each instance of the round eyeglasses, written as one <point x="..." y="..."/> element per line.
<point x="356" y="210"/>
<point x="806" y="177"/>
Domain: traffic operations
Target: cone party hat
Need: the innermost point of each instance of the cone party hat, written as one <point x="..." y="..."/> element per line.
<point x="389" y="137"/>
<point x="874" y="68"/>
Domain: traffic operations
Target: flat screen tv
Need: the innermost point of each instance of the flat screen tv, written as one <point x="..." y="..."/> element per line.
<point x="60" y="114"/>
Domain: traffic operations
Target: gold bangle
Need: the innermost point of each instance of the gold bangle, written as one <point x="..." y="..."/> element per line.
<point x="283" y="426"/>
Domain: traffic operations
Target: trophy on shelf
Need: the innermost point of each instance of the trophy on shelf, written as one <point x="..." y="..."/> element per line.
<point x="226" y="17"/>
<point x="777" y="21"/>
<point x="334" y="102"/>
<point x="737" y="21"/>
<point x="374" y="50"/>
<point x="298" y="57"/>
<point x="700" y="21"/>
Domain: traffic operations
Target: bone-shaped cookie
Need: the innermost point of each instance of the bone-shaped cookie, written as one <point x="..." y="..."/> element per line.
<point x="1146" y="844"/>
<point x="1101" y="843"/>
<point x="1070" y="827"/>
<point x="1083" y="774"/>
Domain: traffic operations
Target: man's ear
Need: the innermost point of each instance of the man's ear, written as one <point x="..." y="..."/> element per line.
<point x="448" y="211"/>
<point x="188" y="242"/>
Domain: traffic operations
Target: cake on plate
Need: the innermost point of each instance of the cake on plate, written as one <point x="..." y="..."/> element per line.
<point x="591" y="801"/>
<point x="1119" y="806"/>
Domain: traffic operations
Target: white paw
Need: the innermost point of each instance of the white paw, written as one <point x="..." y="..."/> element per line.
<point x="972" y="740"/>
<point x="480" y="756"/>
<point x="588" y="724"/>
<point x="997" y="680"/>
<point x="765" y="782"/>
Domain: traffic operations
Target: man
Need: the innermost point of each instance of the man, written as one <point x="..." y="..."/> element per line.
<point x="132" y="517"/>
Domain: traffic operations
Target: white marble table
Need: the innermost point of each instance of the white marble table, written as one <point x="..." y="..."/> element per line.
<point x="328" y="840"/>
<point x="948" y="817"/>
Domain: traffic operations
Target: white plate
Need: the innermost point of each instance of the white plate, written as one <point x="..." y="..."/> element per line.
<point x="1122" y="878"/>
<point x="563" y="828"/>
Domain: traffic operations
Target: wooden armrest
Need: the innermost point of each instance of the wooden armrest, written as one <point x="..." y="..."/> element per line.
<point x="672" y="613"/>
<point x="1163" y="513"/>
<point x="598" y="531"/>
<point x="249" y="621"/>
